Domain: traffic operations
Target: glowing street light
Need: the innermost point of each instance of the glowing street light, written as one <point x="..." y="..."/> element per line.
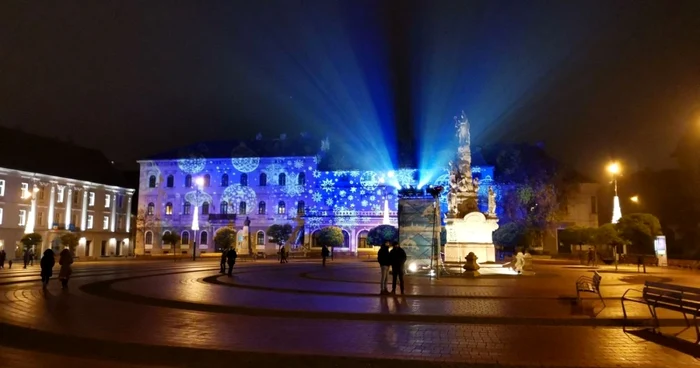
<point x="614" y="169"/>
<point x="199" y="182"/>
<point x="634" y="199"/>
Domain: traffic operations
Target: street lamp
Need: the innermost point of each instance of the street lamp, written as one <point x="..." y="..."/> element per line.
<point x="195" y="217"/>
<point x="634" y="199"/>
<point x="614" y="169"/>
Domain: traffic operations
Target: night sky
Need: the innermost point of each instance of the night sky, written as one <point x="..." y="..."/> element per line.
<point x="589" y="79"/>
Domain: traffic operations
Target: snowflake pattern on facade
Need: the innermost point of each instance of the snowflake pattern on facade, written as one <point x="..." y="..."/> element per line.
<point x="192" y="164"/>
<point x="298" y="164"/>
<point x="235" y="194"/>
<point x="245" y="164"/>
<point x="317" y="197"/>
<point x="317" y="174"/>
<point x="328" y="185"/>
<point x="405" y="177"/>
<point x="192" y="198"/>
<point x="273" y="172"/>
<point x="369" y="180"/>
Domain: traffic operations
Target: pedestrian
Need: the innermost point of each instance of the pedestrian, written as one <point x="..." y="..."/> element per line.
<point x="65" y="259"/>
<point x="324" y="254"/>
<point x="591" y="257"/>
<point x="231" y="256"/>
<point x="384" y="263"/>
<point x="26" y="257"/>
<point x="284" y="255"/>
<point x="222" y="263"/>
<point x="31" y="257"/>
<point x="47" y="262"/>
<point x="3" y="255"/>
<point x="519" y="262"/>
<point x="397" y="256"/>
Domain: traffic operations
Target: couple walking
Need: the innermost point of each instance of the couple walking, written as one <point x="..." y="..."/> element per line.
<point x="65" y="259"/>
<point x="396" y="258"/>
<point x="228" y="256"/>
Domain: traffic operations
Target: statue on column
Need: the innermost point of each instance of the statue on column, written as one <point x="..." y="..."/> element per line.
<point x="492" y="201"/>
<point x="462" y="125"/>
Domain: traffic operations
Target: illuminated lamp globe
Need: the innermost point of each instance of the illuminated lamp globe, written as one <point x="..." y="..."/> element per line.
<point x="614" y="168"/>
<point x="199" y="181"/>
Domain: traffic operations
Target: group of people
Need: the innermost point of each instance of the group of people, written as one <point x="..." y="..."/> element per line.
<point x="228" y="257"/>
<point x="394" y="258"/>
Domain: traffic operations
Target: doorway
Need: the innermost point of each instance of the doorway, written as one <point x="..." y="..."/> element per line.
<point x="104" y="248"/>
<point x="118" y="251"/>
<point x="88" y="243"/>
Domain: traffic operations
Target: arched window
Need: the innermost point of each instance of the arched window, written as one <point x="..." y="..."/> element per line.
<point x="301" y="180"/>
<point x="346" y="239"/>
<point x="362" y="239"/>
<point x="152" y="181"/>
<point x="205" y="208"/>
<point x="186" y="208"/>
<point x="300" y="208"/>
<point x="207" y="180"/>
<point x="223" y="207"/>
<point x="314" y="239"/>
<point x="149" y="238"/>
<point x="150" y="209"/>
<point x="166" y="232"/>
<point x="244" y="180"/>
<point x="224" y="180"/>
<point x="185" y="238"/>
<point x="261" y="208"/>
<point x="263" y="179"/>
<point x="169" y="208"/>
<point x="170" y="182"/>
<point x="188" y="181"/>
<point x="281" y="209"/>
<point x="282" y="179"/>
<point x="242" y="210"/>
<point x="203" y="238"/>
<point x="260" y="238"/>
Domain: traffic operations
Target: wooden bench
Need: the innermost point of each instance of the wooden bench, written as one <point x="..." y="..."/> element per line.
<point x="586" y="284"/>
<point x="683" y="299"/>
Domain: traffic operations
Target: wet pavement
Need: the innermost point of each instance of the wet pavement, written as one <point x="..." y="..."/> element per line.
<point x="303" y="315"/>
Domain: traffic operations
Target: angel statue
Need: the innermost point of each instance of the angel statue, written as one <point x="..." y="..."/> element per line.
<point x="462" y="126"/>
<point x="492" y="201"/>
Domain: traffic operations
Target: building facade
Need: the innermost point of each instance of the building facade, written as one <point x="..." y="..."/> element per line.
<point x="51" y="205"/>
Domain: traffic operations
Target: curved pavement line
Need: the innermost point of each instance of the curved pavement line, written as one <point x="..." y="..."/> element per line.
<point x="103" y="289"/>
<point x="79" y="275"/>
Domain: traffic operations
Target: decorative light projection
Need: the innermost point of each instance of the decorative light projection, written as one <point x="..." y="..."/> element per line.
<point x="273" y="172"/>
<point x="245" y="164"/>
<point x="192" y="198"/>
<point x="369" y="180"/>
<point x="192" y="164"/>
<point x="405" y="177"/>
<point x="236" y="194"/>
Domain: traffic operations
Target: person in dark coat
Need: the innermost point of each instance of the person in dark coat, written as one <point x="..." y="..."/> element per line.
<point x="384" y="264"/>
<point x="27" y="256"/>
<point x="65" y="259"/>
<point x="3" y="255"/>
<point x="223" y="262"/>
<point x="398" y="259"/>
<point x="47" y="262"/>
<point x="324" y="254"/>
<point x="231" y="256"/>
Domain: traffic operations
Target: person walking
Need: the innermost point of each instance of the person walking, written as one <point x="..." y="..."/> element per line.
<point x="26" y="256"/>
<point x="47" y="262"/>
<point x="65" y="259"/>
<point x="31" y="256"/>
<point x="3" y="255"/>
<point x="231" y="256"/>
<point x="324" y="254"/>
<point x="222" y="263"/>
<point x="283" y="254"/>
<point x="384" y="263"/>
<point x="397" y="257"/>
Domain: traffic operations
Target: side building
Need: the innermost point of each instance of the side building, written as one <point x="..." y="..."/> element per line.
<point x="51" y="187"/>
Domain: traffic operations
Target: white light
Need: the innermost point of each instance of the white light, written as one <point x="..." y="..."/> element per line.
<point x="199" y="181"/>
<point x="390" y="174"/>
<point x="195" y="219"/>
<point x="617" y="211"/>
<point x="381" y="180"/>
<point x="413" y="267"/>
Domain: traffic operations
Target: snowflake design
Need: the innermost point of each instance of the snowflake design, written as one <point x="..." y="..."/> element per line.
<point x="194" y="198"/>
<point x="289" y="163"/>
<point x="405" y="177"/>
<point x="273" y="172"/>
<point x="313" y="222"/>
<point x="353" y="189"/>
<point x="192" y="164"/>
<point x="376" y="208"/>
<point x="369" y="180"/>
<point x="355" y="173"/>
<point x="339" y="173"/>
<point x="350" y="198"/>
<point x="364" y="203"/>
<point x="298" y="164"/>
<point x="379" y="192"/>
<point x="317" y="197"/>
<point x="329" y="201"/>
<point x="444" y="181"/>
<point x="362" y="192"/>
<point x="293" y="190"/>
<point x="346" y="221"/>
<point x="309" y="168"/>
<point x="328" y="185"/>
<point x="317" y="174"/>
<point x="372" y="198"/>
<point x="317" y="158"/>
<point x="245" y="164"/>
<point x="311" y="191"/>
<point x="237" y="193"/>
<point x="342" y="193"/>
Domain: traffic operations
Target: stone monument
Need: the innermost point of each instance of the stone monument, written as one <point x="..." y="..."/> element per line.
<point x="468" y="230"/>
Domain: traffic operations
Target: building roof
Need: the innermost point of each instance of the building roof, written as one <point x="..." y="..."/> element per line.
<point x="299" y="146"/>
<point x="32" y="153"/>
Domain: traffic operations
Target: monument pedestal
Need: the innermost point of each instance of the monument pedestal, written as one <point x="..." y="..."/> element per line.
<point x="471" y="234"/>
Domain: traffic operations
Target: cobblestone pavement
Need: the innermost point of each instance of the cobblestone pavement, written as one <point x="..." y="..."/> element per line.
<point x="184" y="314"/>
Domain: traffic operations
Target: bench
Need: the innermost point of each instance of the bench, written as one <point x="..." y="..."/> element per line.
<point x="677" y="298"/>
<point x="586" y="284"/>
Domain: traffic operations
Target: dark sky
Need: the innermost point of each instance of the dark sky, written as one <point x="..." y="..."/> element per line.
<point x="132" y="78"/>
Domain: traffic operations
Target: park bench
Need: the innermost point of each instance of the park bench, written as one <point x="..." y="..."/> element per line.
<point x="677" y="298"/>
<point x="586" y="284"/>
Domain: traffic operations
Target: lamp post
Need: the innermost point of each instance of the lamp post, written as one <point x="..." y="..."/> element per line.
<point x="614" y="169"/>
<point x="195" y="217"/>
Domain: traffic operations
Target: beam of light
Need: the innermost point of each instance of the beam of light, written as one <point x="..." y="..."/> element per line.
<point x="195" y="218"/>
<point x="617" y="211"/>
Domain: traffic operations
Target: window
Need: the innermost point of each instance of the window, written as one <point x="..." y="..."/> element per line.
<point x="149" y="238"/>
<point x="25" y="190"/>
<point x="362" y="239"/>
<point x="41" y="193"/>
<point x="152" y="181"/>
<point x="188" y="181"/>
<point x="301" y="179"/>
<point x="61" y="191"/>
<point x="108" y="200"/>
<point x="0" y="216"/>
<point x="594" y="205"/>
<point x="40" y="218"/>
<point x="300" y="208"/>
<point x="223" y="208"/>
<point x="185" y="238"/>
<point x="90" y="222"/>
<point x="186" y="208"/>
<point x="205" y="208"/>
<point x="168" y="209"/>
<point x="120" y="200"/>
<point x="22" y="217"/>
<point x="76" y="199"/>
<point x="170" y="181"/>
<point x="244" y="180"/>
<point x="207" y="180"/>
<point x="242" y="210"/>
<point x="105" y="223"/>
<point x="261" y="208"/>
<point x="280" y="208"/>
<point x="263" y="179"/>
<point x="150" y="209"/>
<point x="203" y="238"/>
<point x="2" y="188"/>
<point x="282" y="179"/>
<point x="224" y="180"/>
<point x="260" y="238"/>
<point x="91" y="199"/>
